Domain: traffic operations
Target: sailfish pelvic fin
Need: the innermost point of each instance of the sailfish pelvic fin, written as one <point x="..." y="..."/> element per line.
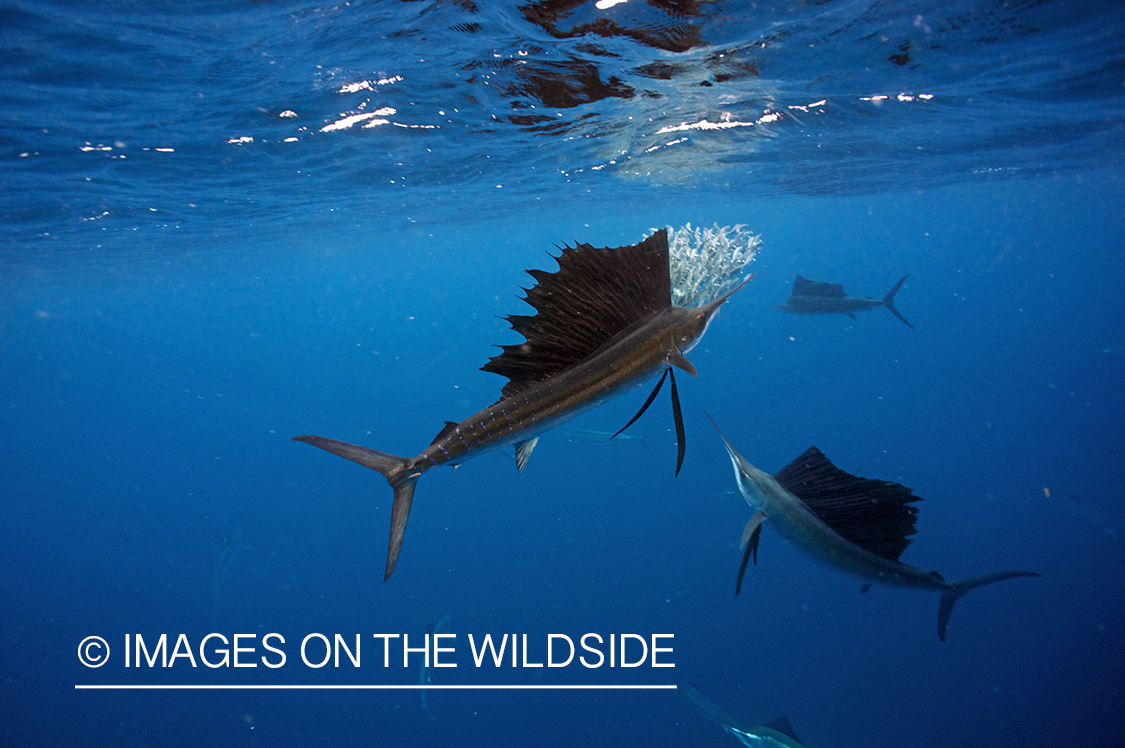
<point x="751" y="534"/>
<point x="678" y="417"/>
<point x="677" y="414"/>
<point x="651" y="397"/>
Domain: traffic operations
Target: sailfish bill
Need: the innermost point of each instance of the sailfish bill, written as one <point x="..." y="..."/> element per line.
<point x="857" y="525"/>
<point x="604" y="325"/>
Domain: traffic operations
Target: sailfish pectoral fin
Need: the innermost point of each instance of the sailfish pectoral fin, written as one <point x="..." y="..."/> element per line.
<point x="679" y="360"/>
<point x="651" y="397"/>
<point x="678" y="416"/>
<point x="751" y="534"/>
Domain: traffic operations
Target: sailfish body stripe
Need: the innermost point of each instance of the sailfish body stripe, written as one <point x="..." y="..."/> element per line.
<point x="625" y="363"/>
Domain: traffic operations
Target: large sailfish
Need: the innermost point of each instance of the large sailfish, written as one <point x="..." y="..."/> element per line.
<point x="605" y="324"/>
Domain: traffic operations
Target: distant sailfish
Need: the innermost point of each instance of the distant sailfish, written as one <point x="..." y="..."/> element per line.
<point x="853" y="524"/>
<point x="605" y="325"/>
<point x="812" y="297"/>
<point x="777" y="733"/>
<point x="592" y="436"/>
<point x="424" y="679"/>
<point x="232" y="544"/>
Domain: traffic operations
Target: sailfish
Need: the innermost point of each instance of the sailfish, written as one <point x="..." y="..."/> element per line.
<point x="857" y="525"/>
<point x="814" y="297"/>
<point x="776" y="733"/>
<point x="232" y="544"/>
<point x="605" y="325"/>
<point x="424" y="679"/>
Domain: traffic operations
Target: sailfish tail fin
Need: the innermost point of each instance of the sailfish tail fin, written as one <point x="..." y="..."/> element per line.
<point x="959" y="588"/>
<point x="392" y="467"/>
<point x="888" y="302"/>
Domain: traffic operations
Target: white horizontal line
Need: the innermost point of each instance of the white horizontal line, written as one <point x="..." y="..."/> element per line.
<point x="143" y="687"/>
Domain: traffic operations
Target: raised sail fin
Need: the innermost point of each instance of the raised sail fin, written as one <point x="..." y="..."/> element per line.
<point x="875" y="515"/>
<point x="595" y="294"/>
<point x="806" y="287"/>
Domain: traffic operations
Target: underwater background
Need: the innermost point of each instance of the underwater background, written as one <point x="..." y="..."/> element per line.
<point x="226" y="224"/>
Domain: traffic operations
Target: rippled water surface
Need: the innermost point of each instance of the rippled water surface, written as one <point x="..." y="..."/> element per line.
<point x="191" y="115"/>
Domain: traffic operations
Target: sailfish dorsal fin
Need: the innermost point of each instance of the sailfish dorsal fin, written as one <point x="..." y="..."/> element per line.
<point x="782" y="725"/>
<point x="595" y="294"/>
<point x="876" y="515"/>
<point x="805" y="287"/>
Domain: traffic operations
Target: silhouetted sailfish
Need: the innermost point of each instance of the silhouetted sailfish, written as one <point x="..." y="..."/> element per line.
<point x="432" y="631"/>
<point x="776" y="733"/>
<point x="231" y="546"/>
<point x="605" y="325"/>
<point x="853" y="524"/>
<point x="813" y="297"/>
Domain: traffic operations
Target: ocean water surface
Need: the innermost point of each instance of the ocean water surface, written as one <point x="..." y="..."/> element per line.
<point x="227" y="224"/>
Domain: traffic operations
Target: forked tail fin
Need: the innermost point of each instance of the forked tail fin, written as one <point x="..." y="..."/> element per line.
<point x="888" y="302"/>
<point x="394" y="469"/>
<point x="949" y="597"/>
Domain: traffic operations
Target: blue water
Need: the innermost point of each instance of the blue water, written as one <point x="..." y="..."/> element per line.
<point x="204" y="252"/>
